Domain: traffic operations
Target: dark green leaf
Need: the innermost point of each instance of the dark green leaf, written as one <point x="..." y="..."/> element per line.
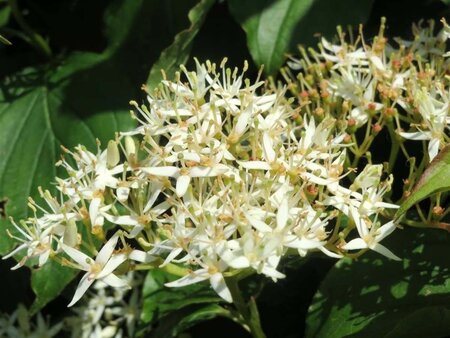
<point x="377" y="297"/>
<point x="325" y="15"/>
<point x="45" y="287"/>
<point x="5" y="13"/>
<point x="170" y="311"/>
<point x="178" y="52"/>
<point x="180" y="320"/>
<point x="269" y="26"/>
<point x="5" y="40"/>
<point x="434" y="179"/>
<point x="159" y="300"/>
<point x="275" y="27"/>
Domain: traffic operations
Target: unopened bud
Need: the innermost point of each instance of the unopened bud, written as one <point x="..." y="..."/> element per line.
<point x="376" y="128"/>
<point x="112" y="154"/>
<point x="319" y="112"/>
<point x="389" y="111"/>
<point x="130" y="146"/>
<point x="71" y="234"/>
<point x="438" y="211"/>
<point x="347" y="139"/>
<point x="351" y="126"/>
<point x="311" y="191"/>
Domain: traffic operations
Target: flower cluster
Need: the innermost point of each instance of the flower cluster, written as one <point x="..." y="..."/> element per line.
<point x="221" y="177"/>
<point x="403" y="88"/>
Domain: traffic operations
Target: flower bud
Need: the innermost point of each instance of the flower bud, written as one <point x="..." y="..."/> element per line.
<point x="112" y="154"/>
<point x="130" y="146"/>
<point x="71" y="234"/>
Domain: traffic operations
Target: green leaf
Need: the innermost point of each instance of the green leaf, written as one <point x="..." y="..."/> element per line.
<point x="269" y="26"/>
<point x="160" y="301"/>
<point x="435" y="178"/>
<point x="45" y="287"/>
<point x="180" y="320"/>
<point x="178" y="52"/>
<point x="5" y="14"/>
<point x="378" y="297"/>
<point x="325" y="15"/>
<point x="5" y="40"/>
<point x="275" y="27"/>
<point x="170" y="311"/>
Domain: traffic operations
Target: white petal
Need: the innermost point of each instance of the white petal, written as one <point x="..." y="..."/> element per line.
<point x="122" y="220"/>
<point x="218" y="284"/>
<point x="174" y="253"/>
<point x="385" y="231"/>
<point x="16" y="250"/>
<point x="166" y="171"/>
<point x="271" y="272"/>
<point x="433" y="148"/>
<point x="43" y="257"/>
<point x="256" y="165"/>
<point x="107" y="250"/>
<point x="112" y="264"/>
<point x="136" y="231"/>
<point x="141" y="256"/>
<point x="160" y="208"/>
<point x="282" y="214"/>
<point x="114" y="281"/>
<point x="240" y="262"/>
<point x="330" y="253"/>
<point x="361" y="225"/>
<point x="78" y="256"/>
<point x="381" y="249"/>
<point x="385" y="205"/>
<point x="218" y="169"/>
<point x="122" y="193"/>
<point x="242" y="122"/>
<point x="305" y="244"/>
<point x="258" y="224"/>
<point x="316" y="179"/>
<point x="192" y="278"/>
<point x="269" y="153"/>
<point x="417" y="136"/>
<point x="82" y="287"/>
<point x="94" y="208"/>
<point x="355" y="244"/>
<point x="154" y="195"/>
<point x="182" y="185"/>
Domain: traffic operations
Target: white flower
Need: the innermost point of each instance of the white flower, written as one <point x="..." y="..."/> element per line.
<point x="434" y="114"/>
<point x="36" y="241"/>
<point x="184" y="175"/>
<point x="370" y="235"/>
<point x="100" y="269"/>
<point x="343" y="55"/>
<point x="212" y="270"/>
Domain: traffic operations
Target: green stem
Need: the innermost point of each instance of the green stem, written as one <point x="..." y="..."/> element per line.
<point x="395" y="147"/>
<point x="36" y="39"/>
<point x="249" y="311"/>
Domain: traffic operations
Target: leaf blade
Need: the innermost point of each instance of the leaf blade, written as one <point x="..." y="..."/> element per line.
<point x="275" y="27"/>
<point x="178" y="52"/>
<point x="382" y="293"/>
<point x="435" y="178"/>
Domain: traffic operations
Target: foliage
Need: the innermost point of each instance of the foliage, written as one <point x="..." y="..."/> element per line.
<point x="65" y="83"/>
<point x="383" y="297"/>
